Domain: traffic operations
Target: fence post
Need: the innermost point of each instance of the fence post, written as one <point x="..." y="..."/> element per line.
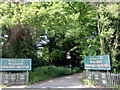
<point x="117" y="80"/>
<point x="107" y="78"/>
<point x="99" y="77"/>
<point x="2" y="78"/>
<point x="27" y="77"/>
<point x="92" y="76"/>
<point x="114" y="79"/>
<point x="110" y="80"/>
<point x="9" y="81"/>
<point x="84" y="74"/>
<point x="20" y="80"/>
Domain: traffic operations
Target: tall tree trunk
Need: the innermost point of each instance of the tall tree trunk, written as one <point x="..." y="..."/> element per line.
<point x="99" y="31"/>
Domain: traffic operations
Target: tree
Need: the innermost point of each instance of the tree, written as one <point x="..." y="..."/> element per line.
<point x="107" y="25"/>
<point x="21" y="28"/>
<point x="83" y="29"/>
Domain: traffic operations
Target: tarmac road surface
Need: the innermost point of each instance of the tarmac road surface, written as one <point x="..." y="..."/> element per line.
<point x="71" y="81"/>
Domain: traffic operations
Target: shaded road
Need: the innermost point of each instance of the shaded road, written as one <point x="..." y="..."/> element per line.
<point x="71" y="81"/>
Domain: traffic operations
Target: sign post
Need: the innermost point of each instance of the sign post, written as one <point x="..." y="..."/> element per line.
<point x="27" y="77"/>
<point x="98" y="63"/>
<point x="18" y="64"/>
<point x="8" y="64"/>
<point x="1" y="78"/>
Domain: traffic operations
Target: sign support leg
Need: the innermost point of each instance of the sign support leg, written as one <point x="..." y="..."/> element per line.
<point x="27" y="77"/>
<point x="1" y="80"/>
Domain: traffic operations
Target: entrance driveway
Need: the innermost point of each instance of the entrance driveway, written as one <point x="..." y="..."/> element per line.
<point x="71" y="81"/>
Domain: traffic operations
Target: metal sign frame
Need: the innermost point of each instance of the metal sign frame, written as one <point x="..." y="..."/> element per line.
<point x="10" y="64"/>
<point x="17" y="64"/>
<point x="101" y="62"/>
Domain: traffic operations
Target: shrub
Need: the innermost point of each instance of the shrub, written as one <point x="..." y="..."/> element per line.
<point x="76" y="69"/>
<point x="46" y="72"/>
<point x="119" y="86"/>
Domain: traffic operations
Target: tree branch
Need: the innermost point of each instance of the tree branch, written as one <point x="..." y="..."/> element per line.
<point x="72" y="7"/>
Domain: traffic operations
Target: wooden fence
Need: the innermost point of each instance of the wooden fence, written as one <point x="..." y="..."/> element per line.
<point x="103" y="78"/>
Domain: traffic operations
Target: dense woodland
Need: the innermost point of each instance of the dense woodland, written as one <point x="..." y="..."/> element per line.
<point x="47" y="31"/>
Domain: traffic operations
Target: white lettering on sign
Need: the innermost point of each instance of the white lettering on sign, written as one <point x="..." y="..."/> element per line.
<point x="96" y="58"/>
<point x="95" y="61"/>
<point x="98" y="65"/>
<point x="15" y="67"/>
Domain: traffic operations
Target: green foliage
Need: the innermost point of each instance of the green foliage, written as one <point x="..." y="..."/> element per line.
<point x="83" y="29"/>
<point x="88" y="82"/>
<point x="76" y="69"/>
<point x="46" y="72"/>
<point x="118" y="86"/>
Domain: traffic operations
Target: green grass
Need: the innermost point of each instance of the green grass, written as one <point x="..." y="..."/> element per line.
<point x="47" y="72"/>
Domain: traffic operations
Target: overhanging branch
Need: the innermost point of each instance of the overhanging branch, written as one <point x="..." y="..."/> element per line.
<point x="72" y="7"/>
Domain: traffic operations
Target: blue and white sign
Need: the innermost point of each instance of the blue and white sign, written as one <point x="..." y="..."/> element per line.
<point x="8" y="64"/>
<point x="97" y="62"/>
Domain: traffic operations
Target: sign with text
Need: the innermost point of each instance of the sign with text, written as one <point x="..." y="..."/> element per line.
<point x="97" y="62"/>
<point x="8" y="64"/>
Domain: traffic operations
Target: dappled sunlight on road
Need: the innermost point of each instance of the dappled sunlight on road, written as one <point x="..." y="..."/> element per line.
<point x="50" y="81"/>
<point x="79" y="77"/>
<point x="68" y="77"/>
<point x="71" y="81"/>
<point x="61" y="80"/>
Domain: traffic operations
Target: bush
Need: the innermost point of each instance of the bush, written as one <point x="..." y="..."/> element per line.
<point x="46" y="72"/>
<point x="76" y="69"/>
<point x="119" y="86"/>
